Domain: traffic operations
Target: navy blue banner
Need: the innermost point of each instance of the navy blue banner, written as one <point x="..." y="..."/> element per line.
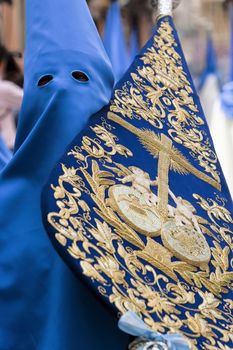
<point x="140" y="208"/>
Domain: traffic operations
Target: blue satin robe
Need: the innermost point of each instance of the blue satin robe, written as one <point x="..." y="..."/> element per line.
<point x="42" y="305"/>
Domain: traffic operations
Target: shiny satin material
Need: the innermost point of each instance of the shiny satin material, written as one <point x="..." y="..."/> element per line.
<point x="211" y="67"/>
<point x="226" y="98"/>
<point x="114" y="41"/>
<point x="42" y="305"/>
<point x="231" y="41"/>
<point x="132" y="324"/>
<point x="133" y="179"/>
<point x="5" y="154"/>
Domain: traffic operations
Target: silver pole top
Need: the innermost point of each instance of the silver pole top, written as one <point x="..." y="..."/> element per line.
<point x="164" y="7"/>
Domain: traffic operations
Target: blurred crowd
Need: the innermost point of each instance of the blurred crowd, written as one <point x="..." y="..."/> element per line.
<point x="11" y="93"/>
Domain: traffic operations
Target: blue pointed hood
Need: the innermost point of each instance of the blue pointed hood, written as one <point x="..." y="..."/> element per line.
<point x="68" y="77"/>
<point x="211" y="62"/>
<point x="211" y="58"/>
<point x="60" y="39"/>
<point x="50" y="28"/>
<point x="114" y="41"/>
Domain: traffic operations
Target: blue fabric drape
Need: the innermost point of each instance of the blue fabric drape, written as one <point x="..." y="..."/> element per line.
<point x="231" y="42"/>
<point x="211" y="62"/>
<point x="114" y="41"/>
<point x="226" y="99"/>
<point x="150" y="146"/>
<point x="5" y="154"/>
<point x="42" y="305"/>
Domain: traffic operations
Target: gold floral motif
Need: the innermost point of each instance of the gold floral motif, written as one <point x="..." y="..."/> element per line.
<point x="180" y="295"/>
<point x="166" y="87"/>
<point x="198" y="325"/>
<point x="107" y="262"/>
<point x="134" y="270"/>
<point x="111" y="268"/>
<point x="209" y="306"/>
<point x="219" y="346"/>
<point x="103" y="235"/>
<point x="141" y="297"/>
<point x="90" y="271"/>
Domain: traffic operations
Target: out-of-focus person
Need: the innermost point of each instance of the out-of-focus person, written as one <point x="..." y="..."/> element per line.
<point x="11" y="93"/>
<point x="221" y="127"/>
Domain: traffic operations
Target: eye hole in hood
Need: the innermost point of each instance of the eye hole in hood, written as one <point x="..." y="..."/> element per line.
<point x="44" y="80"/>
<point x="80" y="76"/>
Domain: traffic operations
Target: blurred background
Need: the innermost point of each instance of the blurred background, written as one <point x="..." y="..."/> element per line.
<point x="206" y="31"/>
<point x="195" y="20"/>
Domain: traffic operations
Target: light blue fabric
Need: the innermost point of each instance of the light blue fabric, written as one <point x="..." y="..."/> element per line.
<point x="114" y="41"/>
<point x="211" y="66"/>
<point x="132" y="324"/>
<point x="231" y="42"/>
<point x="5" y="154"/>
<point x="227" y="99"/>
<point x="42" y="306"/>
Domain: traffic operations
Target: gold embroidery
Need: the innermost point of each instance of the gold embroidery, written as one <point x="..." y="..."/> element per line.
<point x="186" y="243"/>
<point x="166" y="87"/>
<point x="152" y="142"/>
<point x="131" y="206"/>
<point x="145" y="273"/>
<point x="112" y="260"/>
